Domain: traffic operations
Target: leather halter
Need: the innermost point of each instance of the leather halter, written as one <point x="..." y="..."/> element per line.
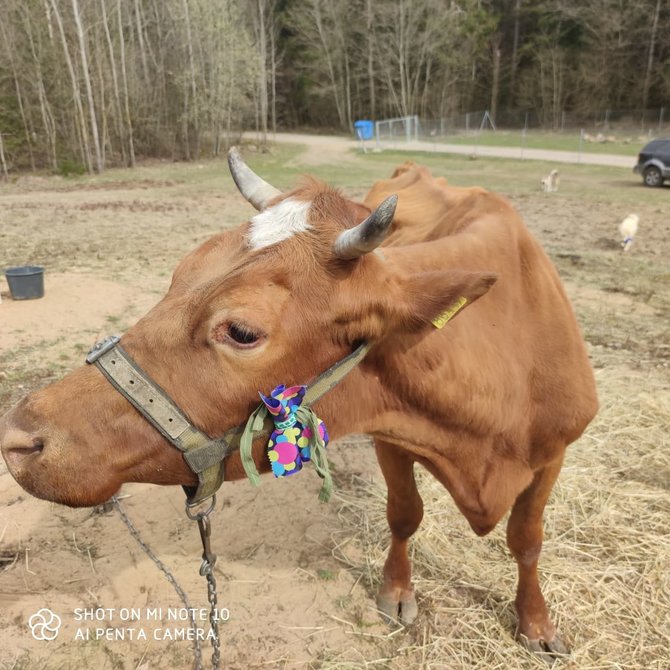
<point x="204" y="455"/>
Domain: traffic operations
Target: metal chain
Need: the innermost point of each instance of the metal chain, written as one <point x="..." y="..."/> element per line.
<point x="207" y="571"/>
<point x="170" y="577"/>
<point x="213" y="618"/>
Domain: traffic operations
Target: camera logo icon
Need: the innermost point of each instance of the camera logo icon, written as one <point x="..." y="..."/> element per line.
<point x="44" y="624"/>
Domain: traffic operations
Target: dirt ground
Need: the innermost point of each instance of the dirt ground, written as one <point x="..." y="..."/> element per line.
<point x="304" y="597"/>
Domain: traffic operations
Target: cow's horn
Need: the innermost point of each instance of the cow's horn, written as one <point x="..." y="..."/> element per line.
<point x="369" y="234"/>
<point x="256" y="190"/>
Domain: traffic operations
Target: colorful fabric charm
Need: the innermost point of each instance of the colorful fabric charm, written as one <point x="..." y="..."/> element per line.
<point x="289" y="445"/>
<point x="299" y="435"/>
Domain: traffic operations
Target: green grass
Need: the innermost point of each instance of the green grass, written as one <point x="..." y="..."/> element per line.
<point x="281" y="167"/>
<point x="591" y="183"/>
<point x="625" y="145"/>
<point x="325" y="575"/>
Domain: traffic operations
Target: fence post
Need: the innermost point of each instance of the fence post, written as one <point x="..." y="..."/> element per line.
<point x="607" y="119"/>
<point x="660" y="119"/>
<point x="523" y="134"/>
<point x="467" y="123"/>
<point x="581" y="141"/>
<point x="563" y="121"/>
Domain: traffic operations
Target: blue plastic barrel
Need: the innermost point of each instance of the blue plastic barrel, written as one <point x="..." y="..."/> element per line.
<point x="365" y="130"/>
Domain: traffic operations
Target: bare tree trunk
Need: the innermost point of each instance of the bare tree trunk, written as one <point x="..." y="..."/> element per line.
<point x="427" y="84"/>
<point x="83" y="133"/>
<point x="45" y="111"/>
<point x="105" y="138"/>
<point x="371" y="59"/>
<point x="45" y="108"/>
<point x="515" y="50"/>
<point x="124" y="76"/>
<point x="263" y="74"/>
<point x="118" y="115"/>
<point x="557" y="85"/>
<point x="347" y="90"/>
<point x="19" y="96"/>
<point x="402" y="60"/>
<point x="340" y="31"/>
<point x="26" y="123"/>
<point x="495" y="87"/>
<point x="273" y="76"/>
<point x="416" y="82"/>
<point x="650" y="59"/>
<point x="49" y="26"/>
<point x="3" y="162"/>
<point x="49" y="124"/>
<point x="140" y="40"/>
<point x="229" y="103"/>
<point x="100" y="166"/>
<point x="193" y="87"/>
<point x="329" y="62"/>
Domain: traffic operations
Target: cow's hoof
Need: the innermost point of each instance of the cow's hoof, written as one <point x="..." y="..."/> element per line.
<point x="548" y="651"/>
<point x="404" y="610"/>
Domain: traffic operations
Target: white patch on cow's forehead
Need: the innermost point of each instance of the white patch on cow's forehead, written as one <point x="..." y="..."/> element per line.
<point x="278" y="223"/>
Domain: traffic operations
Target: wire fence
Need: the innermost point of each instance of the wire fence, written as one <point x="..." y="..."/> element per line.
<point x="606" y="131"/>
<point x="607" y="121"/>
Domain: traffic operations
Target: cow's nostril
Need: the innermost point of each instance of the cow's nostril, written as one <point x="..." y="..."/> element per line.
<point x="25" y="449"/>
<point x="38" y="445"/>
<point x="21" y="443"/>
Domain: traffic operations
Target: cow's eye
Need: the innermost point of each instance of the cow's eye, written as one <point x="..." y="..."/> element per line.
<point x="237" y="334"/>
<point x="242" y="335"/>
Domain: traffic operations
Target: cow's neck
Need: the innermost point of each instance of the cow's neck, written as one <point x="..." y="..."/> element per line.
<point x="399" y="392"/>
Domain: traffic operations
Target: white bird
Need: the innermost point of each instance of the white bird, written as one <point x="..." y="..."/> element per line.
<point x="628" y="230"/>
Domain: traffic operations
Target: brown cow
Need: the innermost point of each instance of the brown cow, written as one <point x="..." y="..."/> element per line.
<point x="487" y="404"/>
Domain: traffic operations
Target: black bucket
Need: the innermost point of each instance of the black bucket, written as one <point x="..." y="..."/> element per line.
<point x="26" y="282"/>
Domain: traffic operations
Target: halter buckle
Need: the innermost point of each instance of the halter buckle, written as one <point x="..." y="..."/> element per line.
<point x="102" y="347"/>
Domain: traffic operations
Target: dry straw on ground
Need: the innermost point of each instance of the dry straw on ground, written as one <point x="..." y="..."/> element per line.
<point x="605" y="564"/>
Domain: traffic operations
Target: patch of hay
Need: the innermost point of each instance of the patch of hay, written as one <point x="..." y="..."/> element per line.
<point x="605" y="567"/>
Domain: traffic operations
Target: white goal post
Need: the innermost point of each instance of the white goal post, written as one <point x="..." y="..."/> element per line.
<point x="400" y="129"/>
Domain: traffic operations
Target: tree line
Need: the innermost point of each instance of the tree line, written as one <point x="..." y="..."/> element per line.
<point x="89" y="83"/>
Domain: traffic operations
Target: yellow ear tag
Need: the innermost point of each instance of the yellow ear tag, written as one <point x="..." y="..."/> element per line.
<point x="440" y="321"/>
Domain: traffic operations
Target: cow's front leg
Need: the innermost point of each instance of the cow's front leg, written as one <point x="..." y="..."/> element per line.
<point x="404" y="511"/>
<point x="524" y="538"/>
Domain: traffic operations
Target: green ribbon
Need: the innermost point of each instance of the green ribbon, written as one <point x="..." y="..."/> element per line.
<point x="317" y="446"/>
<point x="254" y="425"/>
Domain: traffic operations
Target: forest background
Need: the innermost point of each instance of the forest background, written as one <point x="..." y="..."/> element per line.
<point x="86" y="84"/>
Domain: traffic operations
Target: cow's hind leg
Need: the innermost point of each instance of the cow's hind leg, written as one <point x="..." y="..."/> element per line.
<point x="404" y="511"/>
<point x="524" y="538"/>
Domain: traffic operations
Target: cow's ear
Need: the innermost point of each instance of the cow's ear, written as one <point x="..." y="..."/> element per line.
<point x="437" y="297"/>
<point x="409" y="304"/>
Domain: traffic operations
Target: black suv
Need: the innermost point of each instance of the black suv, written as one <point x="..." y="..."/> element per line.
<point x="653" y="163"/>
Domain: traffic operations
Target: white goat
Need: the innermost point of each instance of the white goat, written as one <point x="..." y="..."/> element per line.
<point x="628" y="230"/>
<point x="551" y="182"/>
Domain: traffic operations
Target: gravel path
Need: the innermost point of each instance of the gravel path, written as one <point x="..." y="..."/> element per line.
<point x="333" y="144"/>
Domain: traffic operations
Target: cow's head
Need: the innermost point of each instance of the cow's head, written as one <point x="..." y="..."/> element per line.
<point x="277" y="300"/>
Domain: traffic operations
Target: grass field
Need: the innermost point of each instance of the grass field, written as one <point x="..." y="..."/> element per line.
<point x="625" y="145"/>
<point x="303" y="598"/>
<point x="593" y="183"/>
